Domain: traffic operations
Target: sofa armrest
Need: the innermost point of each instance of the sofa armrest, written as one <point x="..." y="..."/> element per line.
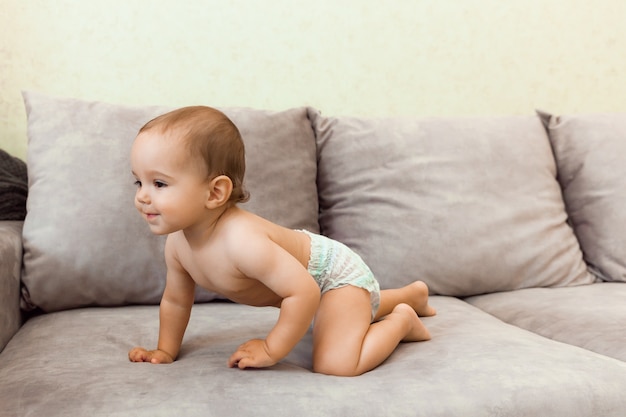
<point x="10" y="272"/>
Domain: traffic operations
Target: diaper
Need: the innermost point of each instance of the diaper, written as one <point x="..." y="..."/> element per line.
<point x="333" y="265"/>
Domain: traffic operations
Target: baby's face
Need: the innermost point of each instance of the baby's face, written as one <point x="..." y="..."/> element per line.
<point x="171" y="189"/>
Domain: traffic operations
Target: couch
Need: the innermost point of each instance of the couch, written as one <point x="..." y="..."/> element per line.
<point x="516" y="223"/>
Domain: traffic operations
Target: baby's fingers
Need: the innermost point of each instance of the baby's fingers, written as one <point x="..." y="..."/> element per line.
<point x="242" y="361"/>
<point x="251" y="354"/>
<point x="235" y="358"/>
<point x="138" y="354"/>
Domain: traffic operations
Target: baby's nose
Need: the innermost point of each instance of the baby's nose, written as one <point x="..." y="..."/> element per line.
<point x="142" y="196"/>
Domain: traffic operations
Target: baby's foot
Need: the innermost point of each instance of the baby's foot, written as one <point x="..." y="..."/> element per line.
<point x="418" y="332"/>
<point x="418" y="299"/>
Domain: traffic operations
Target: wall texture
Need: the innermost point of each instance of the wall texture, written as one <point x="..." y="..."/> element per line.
<point x="345" y="57"/>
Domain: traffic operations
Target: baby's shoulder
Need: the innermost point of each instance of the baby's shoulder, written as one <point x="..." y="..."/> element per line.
<point x="176" y="247"/>
<point x="240" y="223"/>
<point x="243" y="229"/>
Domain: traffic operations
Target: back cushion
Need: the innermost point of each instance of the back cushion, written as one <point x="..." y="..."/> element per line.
<point x="591" y="157"/>
<point x="85" y="243"/>
<point x="469" y="205"/>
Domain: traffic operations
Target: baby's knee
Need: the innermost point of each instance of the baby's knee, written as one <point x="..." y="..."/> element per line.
<point x="403" y="310"/>
<point x="329" y="363"/>
<point x="334" y="369"/>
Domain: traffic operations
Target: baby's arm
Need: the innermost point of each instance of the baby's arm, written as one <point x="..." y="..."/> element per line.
<point x="174" y="313"/>
<point x="282" y="273"/>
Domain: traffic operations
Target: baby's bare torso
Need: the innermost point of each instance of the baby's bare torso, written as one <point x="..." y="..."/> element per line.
<point x="211" y="265"/>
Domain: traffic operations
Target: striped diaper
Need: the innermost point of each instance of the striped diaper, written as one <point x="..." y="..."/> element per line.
<point x="333" y="265"/>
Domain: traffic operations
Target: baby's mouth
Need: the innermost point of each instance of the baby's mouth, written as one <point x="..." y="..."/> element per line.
<point x="150" y="216"/>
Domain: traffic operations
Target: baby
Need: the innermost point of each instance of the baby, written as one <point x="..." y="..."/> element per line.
<point x="189" y="168"/>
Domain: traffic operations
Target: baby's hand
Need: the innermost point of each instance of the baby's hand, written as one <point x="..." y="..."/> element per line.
<point x="139" y="354"/>
<point x="252" y="354"/>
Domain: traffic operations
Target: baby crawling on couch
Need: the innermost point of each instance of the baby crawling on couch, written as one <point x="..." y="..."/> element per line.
<point x="189" y="166"/>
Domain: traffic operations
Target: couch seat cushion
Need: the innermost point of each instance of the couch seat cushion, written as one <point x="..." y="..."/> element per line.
<point x="590" y="316"/>
<point x="75" y="363"/>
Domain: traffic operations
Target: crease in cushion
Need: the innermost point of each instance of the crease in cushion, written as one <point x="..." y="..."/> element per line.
<point x="469" y="205"/>
<point x="589" y="151"/>
<point x="85" y="244"/>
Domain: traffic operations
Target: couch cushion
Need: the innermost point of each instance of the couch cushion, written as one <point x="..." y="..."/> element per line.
<point x="590" y="316"/>
<point x="590" y="155"/>
<point x="74" y="363"/>
<point x="469" y="205"/>
<point x="84" y="242"/>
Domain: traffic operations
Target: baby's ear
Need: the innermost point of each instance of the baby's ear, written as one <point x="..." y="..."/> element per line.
<point x="220" y="189"/>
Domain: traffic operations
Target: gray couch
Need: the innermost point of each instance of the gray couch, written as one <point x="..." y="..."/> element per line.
<point x="516" y="223"/>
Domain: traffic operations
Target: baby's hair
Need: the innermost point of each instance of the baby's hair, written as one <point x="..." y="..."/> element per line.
<point x="210" y="134"/>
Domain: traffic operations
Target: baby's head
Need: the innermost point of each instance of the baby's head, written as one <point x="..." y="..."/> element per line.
<point x="211" y="139"/>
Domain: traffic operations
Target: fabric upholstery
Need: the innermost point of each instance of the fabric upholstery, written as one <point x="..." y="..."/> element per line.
<point x="10" y="270"/>
<point x="475" y="365"/>
<point x="589" y="152"/>
<point x="84" y="242"/>
<point x="469" y="205"/>
<point x="590" y="316"/>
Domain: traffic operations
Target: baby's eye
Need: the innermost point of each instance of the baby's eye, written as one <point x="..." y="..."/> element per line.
<point x="138" y="184"/>
<point x="160" y="184"/>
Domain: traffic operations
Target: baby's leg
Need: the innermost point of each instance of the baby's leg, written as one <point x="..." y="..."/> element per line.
<point x="414" y="294"/>
<point x="344" y="341"/>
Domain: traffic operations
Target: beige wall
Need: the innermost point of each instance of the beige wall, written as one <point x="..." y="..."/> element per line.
<point x="346" y="57"/>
